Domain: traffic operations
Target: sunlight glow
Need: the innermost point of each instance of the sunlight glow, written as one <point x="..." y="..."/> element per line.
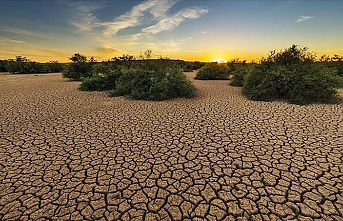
<point x="219" y="60"/>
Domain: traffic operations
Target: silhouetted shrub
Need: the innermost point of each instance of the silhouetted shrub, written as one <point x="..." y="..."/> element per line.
<point x="213" y="71"/>
<point x="143" y="84"/>
<point x="292" y="75"/>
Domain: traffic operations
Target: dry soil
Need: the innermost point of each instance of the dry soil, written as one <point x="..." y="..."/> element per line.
<point x="72" y="155"/>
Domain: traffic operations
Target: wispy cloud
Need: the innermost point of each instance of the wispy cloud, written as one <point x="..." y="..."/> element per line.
<point x="139" y="14"/>
<point x="304" y="18"/>
<point x="135" y="28"/>
<point x="84" y="18"/>
<point x="149" y="12"/>
<point x="173" y="21"/>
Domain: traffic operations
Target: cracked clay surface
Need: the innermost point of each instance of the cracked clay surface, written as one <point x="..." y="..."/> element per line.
<point x="72" y="155"/>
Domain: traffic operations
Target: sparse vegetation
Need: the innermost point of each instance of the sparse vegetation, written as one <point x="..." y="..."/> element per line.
<point x="293" y="75"/>
<point x="213" y="71"/>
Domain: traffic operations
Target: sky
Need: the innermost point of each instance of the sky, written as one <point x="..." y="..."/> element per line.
<point x="191" y="30"/>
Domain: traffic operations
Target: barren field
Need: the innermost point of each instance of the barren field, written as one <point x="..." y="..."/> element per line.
<point x="72" y="155"/>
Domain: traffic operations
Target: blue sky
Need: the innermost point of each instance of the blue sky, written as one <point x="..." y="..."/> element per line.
<point x="45" y="30"/>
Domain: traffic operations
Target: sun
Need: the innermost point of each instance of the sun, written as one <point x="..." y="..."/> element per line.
<point x="219" y="60"/>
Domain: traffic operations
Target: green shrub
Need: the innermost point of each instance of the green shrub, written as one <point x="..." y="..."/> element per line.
<point x="3" y="66"/>
<point x="78" y="68"/>
<point x="292" y="75"/>
<point x="238" y="74"/>
<point x="94" y="83"/>
<point x="143" y="84"/>
<point x="337" y="66"/>
<point x="103" y="78"/>
<point x="213" y="71"/>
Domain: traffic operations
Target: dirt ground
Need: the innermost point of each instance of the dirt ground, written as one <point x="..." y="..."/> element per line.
<point x="72" y="155"/>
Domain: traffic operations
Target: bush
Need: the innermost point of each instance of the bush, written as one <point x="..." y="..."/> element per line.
<point x="78" y="68"/>
<point x="3" y="66"/>
<point x="76" y="71"/>
<point x="292" y="75"/>
<point x="213" y="71"/>
<point x="94" y="83"/>
<point x="238" y="74"/>
<point x="337" y="66"/>
<point x="103" y="78"/>
<point x="143" y="84"/>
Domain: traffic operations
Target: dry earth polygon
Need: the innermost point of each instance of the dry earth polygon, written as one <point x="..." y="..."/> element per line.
<point x="72" y="155"/>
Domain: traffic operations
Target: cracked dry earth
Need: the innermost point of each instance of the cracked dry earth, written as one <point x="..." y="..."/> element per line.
<point x="72" y="155"/>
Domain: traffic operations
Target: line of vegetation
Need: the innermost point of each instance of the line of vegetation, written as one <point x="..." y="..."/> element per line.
<point x="144" y="79"/>
<point x="293" y="74"/>
<point x="22" y="65"/>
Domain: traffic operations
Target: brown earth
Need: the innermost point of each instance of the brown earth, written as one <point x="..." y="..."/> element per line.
<point x="72" y="155"/>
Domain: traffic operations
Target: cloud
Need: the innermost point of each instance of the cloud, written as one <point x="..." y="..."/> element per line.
<point x="136" y="28"/>
<point x="173" y="21"/>
<point x="139" y="14"/>
<point x="304" y="18"/>
<point x="84" y="18"/>
<point x="143" y="14"/>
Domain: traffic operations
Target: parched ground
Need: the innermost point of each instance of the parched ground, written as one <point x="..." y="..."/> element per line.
<point x="72" y="155"/>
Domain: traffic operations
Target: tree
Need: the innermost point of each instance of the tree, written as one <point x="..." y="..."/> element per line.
<point x="78" y="58"/>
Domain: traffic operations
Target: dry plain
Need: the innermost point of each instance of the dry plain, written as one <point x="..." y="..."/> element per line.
<point x="72" y="155"/>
